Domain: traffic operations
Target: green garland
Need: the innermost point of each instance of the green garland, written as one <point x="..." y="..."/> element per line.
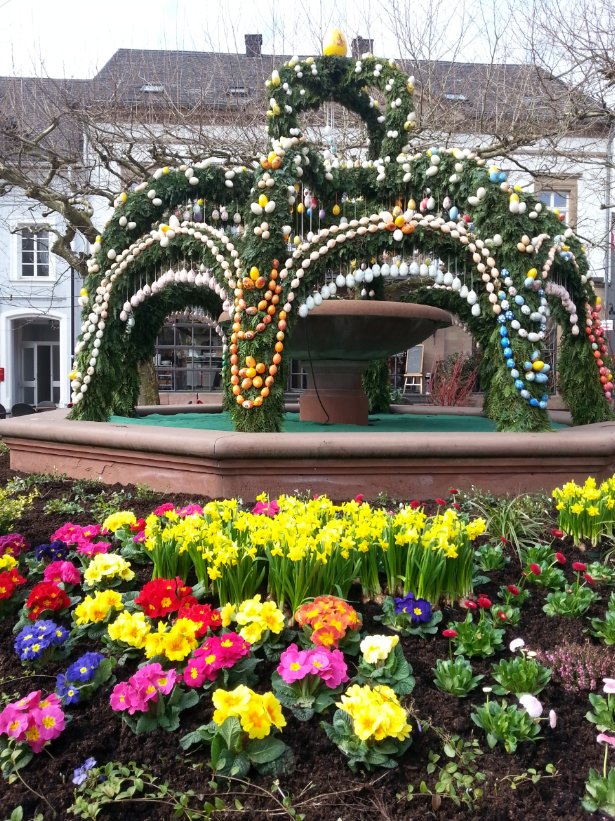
<point x="443" y="203"/>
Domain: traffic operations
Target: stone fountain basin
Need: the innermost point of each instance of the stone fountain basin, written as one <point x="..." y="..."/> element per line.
<point x="363" y="330"/>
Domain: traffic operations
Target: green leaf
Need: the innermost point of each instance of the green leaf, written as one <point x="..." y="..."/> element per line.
<point x="263" y="751"/>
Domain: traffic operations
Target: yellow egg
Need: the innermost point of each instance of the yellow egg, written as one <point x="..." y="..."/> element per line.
<point x="300" y="208"/>
<point x="335" y="44"/>
<point x="399" y="221"/>
<point x="262" y="200"/>
<point x="83" y="292"/>
<point x="411" y="205"/>
<point x="254" y="273"/>
<point x="538" y="365"/>
<point x="336" y="210"/>
<point x="532" y="273"/>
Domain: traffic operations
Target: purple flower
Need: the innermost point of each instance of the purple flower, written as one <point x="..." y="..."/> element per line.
<point x="67" y="691"/>
<point x="419" y="610"/>
<point x="84" y="668"/>
<point x="81" y="773"/>
<point x="54" y="552"/>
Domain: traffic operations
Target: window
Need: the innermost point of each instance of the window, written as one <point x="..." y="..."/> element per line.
<point x="34" y="252"/>
<point x="188" y="355"/>
<point x="560" y="195"/>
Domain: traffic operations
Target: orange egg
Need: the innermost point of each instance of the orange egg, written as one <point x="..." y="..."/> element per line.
<point x="246" y="384"/>
<point x="257" y="382"/>
<point x="236" y="390"/>
<point x="266" y="319"/>
<point x="276" y="359"/>
<point x="273" y="369"/>
<point x="262" y="305"/>
<point x="282" y="325"/>
<point x="234" y="359"/>
<point x="260" y="367"/>
<point x="279" y="347"/>
<point x="234" y="379"/>
<point x="260" y="282"/>
<point x="270" y="380"/>
<point x="265" y="392"/>
<point x="258" y="401"/>
<point x="282" y="315"/>
<point x="239" y="399"/>
<point x="250" y="362"/>
<point x="275" y="299"/>
<point x="271" y="310"/>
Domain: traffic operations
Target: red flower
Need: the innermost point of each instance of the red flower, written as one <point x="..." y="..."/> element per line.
<point x="449" y="633"/>
<point x="589" y="579"/>
<point x="536" y="569"/>
<point x="504" y="540"/>
<point x="560" y="558"/>
<point x="471" y="605"/>
<point x="160" y="597"/>
<point x="455" y="505"/>
<point x="512" y="588"/>
<point x="359" y="498"/>
<point x="579" y="567"/>
<point x="414" y="504"/>
<point x="162" y="509"/>
<point x="502" y="615"/>
<point x="202" y="614"/>
<point x="138" y="526"/>
<point x="9" y="581"/>
<point x="557" y="533"/>
<point x="453" y="490"/>
<point x="440" y="501"/>
<point x="484" y="602"/>
<point x="46" y="596"/>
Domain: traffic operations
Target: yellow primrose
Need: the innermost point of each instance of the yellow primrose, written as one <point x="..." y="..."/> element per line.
<point x="378" y="648"/>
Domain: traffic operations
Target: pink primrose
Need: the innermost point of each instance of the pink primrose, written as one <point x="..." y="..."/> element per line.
<point x="13" y="544"/>
<point x="294" y="664"/>
<point x="603" y="738"/>
<point x="64" y="572"/>
<point x="91" y="531"/>
<point x="33" y="699"/>
<point x="68" y="533"/>
<point x="189" y="510"/>
<point x="166" y="682"/>
<point x="87" y="548"/>
<point x="165" y="508"/>
<point x="120" y="698"/>
<point x="609" y="685"/>
<point x="266" y="509"/>
<point x="50" y="722"/>
<point x="13" y="722"/>
<point x="198" y="671"/>
<point x="230" y="647"/>
<point x="335" y="672"/>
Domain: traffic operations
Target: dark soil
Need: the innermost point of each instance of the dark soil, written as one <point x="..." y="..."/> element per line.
<point x="321" y="785"/>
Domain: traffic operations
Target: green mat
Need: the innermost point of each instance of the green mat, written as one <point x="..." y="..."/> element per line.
<point x="379" y="423"/>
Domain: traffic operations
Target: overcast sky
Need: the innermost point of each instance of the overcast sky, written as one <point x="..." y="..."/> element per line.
<point x="74" y="38"/>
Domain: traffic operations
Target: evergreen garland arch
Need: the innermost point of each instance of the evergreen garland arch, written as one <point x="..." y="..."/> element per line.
<point x="258" y="242"/>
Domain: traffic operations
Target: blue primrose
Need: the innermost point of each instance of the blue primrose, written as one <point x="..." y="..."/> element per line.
<point x="419" y="610"/>
<point x="55" y="551"/>
<point x="67" y="691"/>
<point x="84" y="668"/>
<point x="81" y="773"/>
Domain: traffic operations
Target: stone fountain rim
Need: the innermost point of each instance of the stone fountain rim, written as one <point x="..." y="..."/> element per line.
<point x="380" y="308"/>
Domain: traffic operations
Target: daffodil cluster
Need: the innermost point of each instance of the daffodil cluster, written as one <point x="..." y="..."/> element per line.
<point x="586" y="512"/>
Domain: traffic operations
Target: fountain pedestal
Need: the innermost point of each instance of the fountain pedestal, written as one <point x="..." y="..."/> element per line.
<point x="339" y="338"/>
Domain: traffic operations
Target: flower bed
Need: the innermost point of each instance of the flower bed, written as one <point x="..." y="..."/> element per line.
<point x="456" y="675"/>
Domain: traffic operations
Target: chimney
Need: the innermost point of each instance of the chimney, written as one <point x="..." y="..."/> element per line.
<point x="361" y="46"/>
<point x="253" y="45"/>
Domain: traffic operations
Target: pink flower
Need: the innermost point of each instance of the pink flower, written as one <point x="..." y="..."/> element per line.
<point x="609" y="685"/>
<point x="121" y="697"/>
<point x="231" y="647"/>
<point x="50" y="722"/>
<point x="92" y="548"/>
<point x="165" y="508"/>
<point x="470" y="605"/>
<point x="13" y="544"/>
<point x="68" y="533"/>
<point x="591" y="581"/>
<point x="449" y="633"/>
<point x="603" y="738"/>
<point x="13" y="722"/>
<point x="294" y="664"/>
<point x="531" y="705"/>
<point x="64" y="572"/>
<point x="552" y="719"/>
<point x="270" y="509"/>
<point x="189" y="510"/>
<point x="329" y="665"/>
<point x="198" y="670"/>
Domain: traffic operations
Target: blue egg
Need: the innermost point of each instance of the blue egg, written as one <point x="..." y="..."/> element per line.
<point x="534" y="402"/>
<point x="504" y="272"/>
<point x="546" y="368"/>
<point x="514" y="373"/>
<point x="454" y="212"/>
<point x="527" y="366"/>
<point x="504" y="341"/>
<point x="507" y="351"/>
<point x="510" y="363"/>
<point x="519" y="300"/>
<point x="502" y="321"/>
<point x="502" y="176"/>
<point x="501" y="294"/>
<point x="542" y="378"/>
<point x="509" y="315"/>
<point x="535" y="355"/>
<point x="518" y="384"/>
<point x="493" y="176"/>
<point x="528" y="283"/>
<point x="309" y="212"/>
<point x="545" y="397"/>
<point x="542" y="404"/>
<point x="503" y="331"/>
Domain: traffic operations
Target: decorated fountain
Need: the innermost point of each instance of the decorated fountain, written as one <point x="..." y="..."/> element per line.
<point x="293" y="237"/>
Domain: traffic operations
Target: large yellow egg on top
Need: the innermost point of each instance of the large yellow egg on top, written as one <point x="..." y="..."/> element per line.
<point x="335" y="44"/>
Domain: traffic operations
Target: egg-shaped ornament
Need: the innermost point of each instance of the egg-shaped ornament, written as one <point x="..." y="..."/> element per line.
<point x="335" y="44"/>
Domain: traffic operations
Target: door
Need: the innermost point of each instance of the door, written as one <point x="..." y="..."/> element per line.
<point x="40" y="372"/>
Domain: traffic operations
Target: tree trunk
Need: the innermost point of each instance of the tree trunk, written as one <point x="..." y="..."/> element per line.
<point x="148" y="384"/>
